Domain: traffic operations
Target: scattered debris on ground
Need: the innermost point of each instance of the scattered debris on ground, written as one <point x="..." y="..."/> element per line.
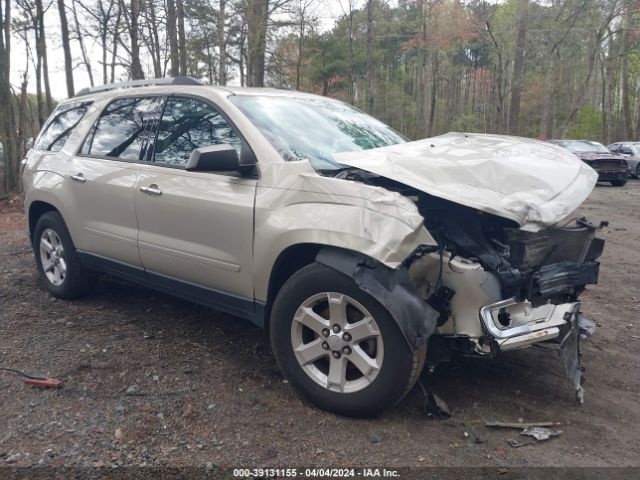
<point x="33" y="380"/>
<point x="206" y="382"/>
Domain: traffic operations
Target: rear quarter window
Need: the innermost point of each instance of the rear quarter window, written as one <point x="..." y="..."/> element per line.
<point x="61" y="123"/>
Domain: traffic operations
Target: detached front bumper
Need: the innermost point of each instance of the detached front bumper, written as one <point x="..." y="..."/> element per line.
<point x="510" y="325"/>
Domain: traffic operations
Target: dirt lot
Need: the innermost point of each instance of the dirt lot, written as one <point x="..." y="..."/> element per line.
<point x="152" y="380"/>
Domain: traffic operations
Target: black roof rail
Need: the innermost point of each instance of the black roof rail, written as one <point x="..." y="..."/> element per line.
<point x="140" y="83"/>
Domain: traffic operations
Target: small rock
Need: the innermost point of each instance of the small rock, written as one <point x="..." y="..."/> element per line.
<point x="98" y="464"/>
<point x="132" y="390"/>
<point x="209" y="466"/>
<point x="187" y="370"/>
<point x="14" y="457"/>
<point x="119" y="434"/>
<point x="421" y="458"/>
<point x="375" y="438"/>
<point x="245" y="443"/>
<point x="120" y="408"/>
<point x="187" y="412"/>
<point x="211" y="406"/>
<point x="156" y="378"/>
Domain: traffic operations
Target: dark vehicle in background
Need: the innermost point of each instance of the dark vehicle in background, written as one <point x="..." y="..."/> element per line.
<point x="631" y="153"/>
<point x="610" y="167"/>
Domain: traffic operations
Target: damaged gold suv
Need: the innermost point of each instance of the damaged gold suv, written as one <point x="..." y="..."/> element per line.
<point x="359" y="251"/>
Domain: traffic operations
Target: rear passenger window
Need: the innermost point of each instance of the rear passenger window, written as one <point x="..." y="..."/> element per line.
<point x="122" y="130"/>
<point x="60" y="126"/>
<point x="188" y="124"/>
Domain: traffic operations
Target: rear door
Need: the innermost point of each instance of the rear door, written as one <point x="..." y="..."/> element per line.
<point x="102" y="179"/>
<point x="196" y="228"/>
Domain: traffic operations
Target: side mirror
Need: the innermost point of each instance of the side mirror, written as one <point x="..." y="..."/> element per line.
<point x="216" y="158"/>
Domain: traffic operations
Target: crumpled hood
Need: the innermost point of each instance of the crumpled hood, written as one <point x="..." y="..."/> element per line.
<point x="534" y="183"/>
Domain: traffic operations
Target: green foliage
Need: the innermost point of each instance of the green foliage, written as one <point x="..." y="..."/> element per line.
<point x="588" y="124"/>
<point x="468" y="123"/>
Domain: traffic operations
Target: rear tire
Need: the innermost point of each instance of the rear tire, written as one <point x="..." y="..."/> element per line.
<point x="310" y="349"/>
<point x="57" y="259"/>
<point x="638" y="171"/>
<point x="618" y="183"/>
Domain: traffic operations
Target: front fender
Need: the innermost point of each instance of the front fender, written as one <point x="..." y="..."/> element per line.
<point x="387" y="239"/>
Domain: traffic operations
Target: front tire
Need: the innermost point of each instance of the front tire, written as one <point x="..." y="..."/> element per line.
<point x="618" y="183"/>
<point x="338" y="346"/>
<point x="57" y="259"/>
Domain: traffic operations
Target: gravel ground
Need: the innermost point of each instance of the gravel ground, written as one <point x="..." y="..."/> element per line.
<point x="153" y="380"/>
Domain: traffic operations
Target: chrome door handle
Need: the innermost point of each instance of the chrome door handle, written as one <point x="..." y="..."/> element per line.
<point x="78" y="178"/>
<point x="151" y="189"/>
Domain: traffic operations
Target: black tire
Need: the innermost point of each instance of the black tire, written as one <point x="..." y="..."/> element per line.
<point x="78" y="281"/>
<point x="638" y="171"/>
<point x="619" y="183"/>
<point x="400" y="367"/>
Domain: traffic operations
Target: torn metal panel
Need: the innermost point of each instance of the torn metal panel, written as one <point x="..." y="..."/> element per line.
<point x="295" y="206"/>
<point x="391" y="287"/>
<point x="570" y="354"/>
<point x="534" y="183"/>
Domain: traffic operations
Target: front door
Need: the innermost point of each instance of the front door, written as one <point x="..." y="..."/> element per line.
<point x="196" y="228"/>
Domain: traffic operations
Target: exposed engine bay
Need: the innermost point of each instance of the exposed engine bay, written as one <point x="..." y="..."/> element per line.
<point x="494" y="286"/>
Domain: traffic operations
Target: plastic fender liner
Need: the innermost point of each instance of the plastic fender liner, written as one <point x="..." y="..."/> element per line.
<point x="391" y="287"/>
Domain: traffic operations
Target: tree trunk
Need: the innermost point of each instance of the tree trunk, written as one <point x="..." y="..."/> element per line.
<point x="549" y="94"/>
<point x="370" y="56"/>
<point x="182" y="42"/>
<point x="222" y="45"/>
<point x="421" y="75"/>
<point x="626" y="101"/>
<point x="518" y="68"/>
<point x="174" y="71"/>
<point x="155" y="40"/>
<point x="64" y="32"/>
<point x="257" y="21"/>
<point x="434" y="91"/>
<point x="136" y="66"/>
<point x="300" y="45"/>
<point x="116" y="41"/>
<point x="7" y="112"/>
<point x="22" y="117"/>
<point x="39" y="98"/>
<point x="43" y="54"/>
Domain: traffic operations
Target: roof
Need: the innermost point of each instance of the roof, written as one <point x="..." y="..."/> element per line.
<point x="173" y="85"/>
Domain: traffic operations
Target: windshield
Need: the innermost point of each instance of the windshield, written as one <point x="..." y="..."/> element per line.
<point x="584" y="146"/>
<point x="312" y="129"/>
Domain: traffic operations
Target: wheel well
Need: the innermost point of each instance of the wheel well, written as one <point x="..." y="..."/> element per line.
<point x="290" y="260"/>
<point x="36" y="210"/>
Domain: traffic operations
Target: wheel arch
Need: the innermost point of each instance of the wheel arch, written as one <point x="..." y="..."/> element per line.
<point x="391" y="287"/>
<point x="37" y="208"/>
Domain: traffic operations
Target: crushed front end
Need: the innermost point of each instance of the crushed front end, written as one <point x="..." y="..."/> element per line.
<point x="498" y="287"/>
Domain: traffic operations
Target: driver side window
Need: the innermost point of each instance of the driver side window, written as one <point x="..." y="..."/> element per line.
<point x="188" y="124"/>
